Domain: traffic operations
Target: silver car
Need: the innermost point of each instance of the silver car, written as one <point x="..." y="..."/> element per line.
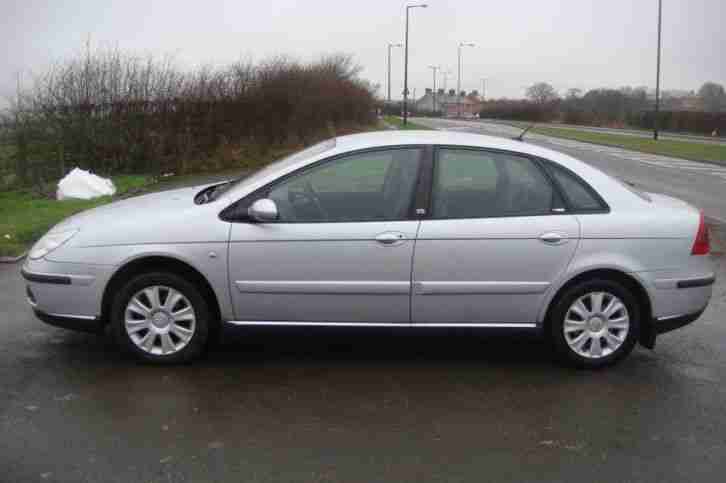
<point x="406" y="229"/>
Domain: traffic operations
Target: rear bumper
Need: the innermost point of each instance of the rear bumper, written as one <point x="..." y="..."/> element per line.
<point x="683" y="296"/>
<point x="696" y="282"/>
<point x="668" y="324"/>
<point x="676" y="302"/>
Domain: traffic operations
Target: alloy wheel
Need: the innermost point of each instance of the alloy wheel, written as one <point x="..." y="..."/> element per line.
<point x="596" y="325"/>
<point x="160" y="320"/>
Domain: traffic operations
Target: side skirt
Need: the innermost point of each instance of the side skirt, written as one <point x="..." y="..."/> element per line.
<point x="377" y="324"/>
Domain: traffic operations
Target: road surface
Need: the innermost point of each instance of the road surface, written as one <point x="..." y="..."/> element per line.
<point x="701" y="184"/>
<point x="626" y="132"/>
<point x="358" y="406"/>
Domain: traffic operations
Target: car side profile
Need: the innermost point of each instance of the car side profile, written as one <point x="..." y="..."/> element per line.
<point x="401" y="228"/>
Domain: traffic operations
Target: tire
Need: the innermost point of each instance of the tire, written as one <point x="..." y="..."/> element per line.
<point x="155" y="332"/>
<point x="601" y="339"/>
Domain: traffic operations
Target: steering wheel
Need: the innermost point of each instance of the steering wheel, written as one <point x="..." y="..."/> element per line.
<point x="310" y="191"/>
<point x="310" y="194"/>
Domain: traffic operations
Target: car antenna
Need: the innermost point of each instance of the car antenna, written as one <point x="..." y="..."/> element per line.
<point x="521" y="135"/>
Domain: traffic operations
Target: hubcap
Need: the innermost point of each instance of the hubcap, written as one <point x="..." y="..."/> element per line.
<point x="596" y="325"/>
<point x="160" y="320"/>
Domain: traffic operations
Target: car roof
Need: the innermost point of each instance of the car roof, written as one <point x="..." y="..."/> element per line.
<point x="452" y="138"/>
<point x="611" y="190"/>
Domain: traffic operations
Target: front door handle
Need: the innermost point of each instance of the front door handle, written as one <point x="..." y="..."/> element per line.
<point x="391" y="238"/>
<point x="553" y="238"/>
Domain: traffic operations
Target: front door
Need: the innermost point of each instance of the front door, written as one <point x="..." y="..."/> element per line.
<point x="497" y="237"/>
<point x="341" y="251"/>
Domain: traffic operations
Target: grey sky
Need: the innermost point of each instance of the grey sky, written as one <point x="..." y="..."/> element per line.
<point x="569" y="43"/>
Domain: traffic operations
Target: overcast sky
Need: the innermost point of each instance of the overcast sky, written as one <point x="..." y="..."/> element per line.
<point x="569" y="43"/>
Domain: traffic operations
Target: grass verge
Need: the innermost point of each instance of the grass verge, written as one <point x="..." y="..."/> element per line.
<point x="397" y="122"/>
<point x="25" y="217"/>
<point x="713" y="153"/>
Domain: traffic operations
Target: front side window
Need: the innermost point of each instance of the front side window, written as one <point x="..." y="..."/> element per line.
<point x="369" y="186"/>
<point x="480" y="184"/>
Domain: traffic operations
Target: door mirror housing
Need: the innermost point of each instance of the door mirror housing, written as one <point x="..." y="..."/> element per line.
<point x="263" y="210"/>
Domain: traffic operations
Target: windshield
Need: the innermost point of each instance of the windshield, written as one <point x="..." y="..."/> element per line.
<point x="312" y="151"/>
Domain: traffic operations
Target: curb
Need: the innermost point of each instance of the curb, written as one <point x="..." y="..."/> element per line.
<point x="13" y="259"/>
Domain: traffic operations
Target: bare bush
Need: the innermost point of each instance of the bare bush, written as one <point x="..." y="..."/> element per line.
<point x="113" y="112"/>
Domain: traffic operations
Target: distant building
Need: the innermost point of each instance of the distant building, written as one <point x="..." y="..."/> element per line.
<point x="677" y="100"/>
<point x="449" y="104"/>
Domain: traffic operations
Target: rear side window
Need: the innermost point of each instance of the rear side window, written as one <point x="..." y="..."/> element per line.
<point x="581" y="196"/>
<point x="478" y="184"/>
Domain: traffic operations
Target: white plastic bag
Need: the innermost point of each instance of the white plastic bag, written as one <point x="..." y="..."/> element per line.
<point x="84" y="185"/>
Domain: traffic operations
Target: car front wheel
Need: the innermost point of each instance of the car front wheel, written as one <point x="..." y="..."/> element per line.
<point x="595" y="324"/>
<point x="161" y="318"/>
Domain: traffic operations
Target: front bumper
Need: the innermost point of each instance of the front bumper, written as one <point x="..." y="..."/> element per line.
<point x="72" y="322"/>
<point x="66" y="295"/>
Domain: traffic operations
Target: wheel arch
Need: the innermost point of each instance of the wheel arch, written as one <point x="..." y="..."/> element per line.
<point x="166" y="263"/>
<point x="636" y="286"/>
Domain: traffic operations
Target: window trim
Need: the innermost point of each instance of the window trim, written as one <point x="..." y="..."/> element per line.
<point x="604" y="207"/>
<point x="536" y="161"/>
<point x="230" y="214"/>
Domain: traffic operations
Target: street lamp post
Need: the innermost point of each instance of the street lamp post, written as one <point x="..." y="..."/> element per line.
<point x="483" y="88"/>
<point x="657" y="75"/>
<point x="434" y="68"/>
<point x="458" y="82"/>
<point x="405" y="65"/>
<point x="389" y="68"/>
<point x="445" y="75"/>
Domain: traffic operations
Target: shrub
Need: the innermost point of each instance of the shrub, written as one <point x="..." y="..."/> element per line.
<point x="113" y="112"/>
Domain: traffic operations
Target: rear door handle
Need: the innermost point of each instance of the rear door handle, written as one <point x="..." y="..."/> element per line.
<point x="553" y="238"/>
<point x="391" y="238"/>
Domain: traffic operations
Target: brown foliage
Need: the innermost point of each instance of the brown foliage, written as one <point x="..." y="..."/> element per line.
<point x="113" y="112"/>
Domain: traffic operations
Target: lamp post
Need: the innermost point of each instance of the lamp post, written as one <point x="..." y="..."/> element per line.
<point x="458" y="82"/>
<point x="445" y="75"/>
<point x="405" y="65"/>
<point x="389" y="68"/>
<point x="434" y="68"/>
<point x="657" y="75"/>
<point x="483" y="88"/>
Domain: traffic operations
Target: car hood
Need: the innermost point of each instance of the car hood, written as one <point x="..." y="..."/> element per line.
<point x="151" y="208"/>
<point x="157" y="218"/>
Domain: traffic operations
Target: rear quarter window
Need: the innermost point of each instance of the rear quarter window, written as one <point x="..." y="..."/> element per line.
<point x="579" y="194"/>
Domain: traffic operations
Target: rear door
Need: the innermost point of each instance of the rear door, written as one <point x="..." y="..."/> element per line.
<point x="497" y="236"/>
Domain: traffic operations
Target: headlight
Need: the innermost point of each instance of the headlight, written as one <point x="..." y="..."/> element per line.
<point x="50" y="242"/>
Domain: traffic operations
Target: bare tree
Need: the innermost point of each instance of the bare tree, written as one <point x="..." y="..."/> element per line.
<point x="574" y="93"/>
<point x="542" y="93"/>
<point x="713" y="96"/>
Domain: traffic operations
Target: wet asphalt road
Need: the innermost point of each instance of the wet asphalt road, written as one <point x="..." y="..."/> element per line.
<point x="275" y="406"/>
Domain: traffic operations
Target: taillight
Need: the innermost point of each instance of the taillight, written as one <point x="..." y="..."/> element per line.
<point x="702" y="245"/>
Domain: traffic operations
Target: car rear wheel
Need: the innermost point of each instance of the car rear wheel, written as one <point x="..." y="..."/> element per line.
<point x="594" y="324"/>
<point x="161" y="318"/>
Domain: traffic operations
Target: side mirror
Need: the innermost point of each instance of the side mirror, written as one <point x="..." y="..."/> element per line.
<point x="263" y="211"/>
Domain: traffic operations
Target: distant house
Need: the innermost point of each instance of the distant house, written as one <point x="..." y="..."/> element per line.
<point x="449" y="103"/>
